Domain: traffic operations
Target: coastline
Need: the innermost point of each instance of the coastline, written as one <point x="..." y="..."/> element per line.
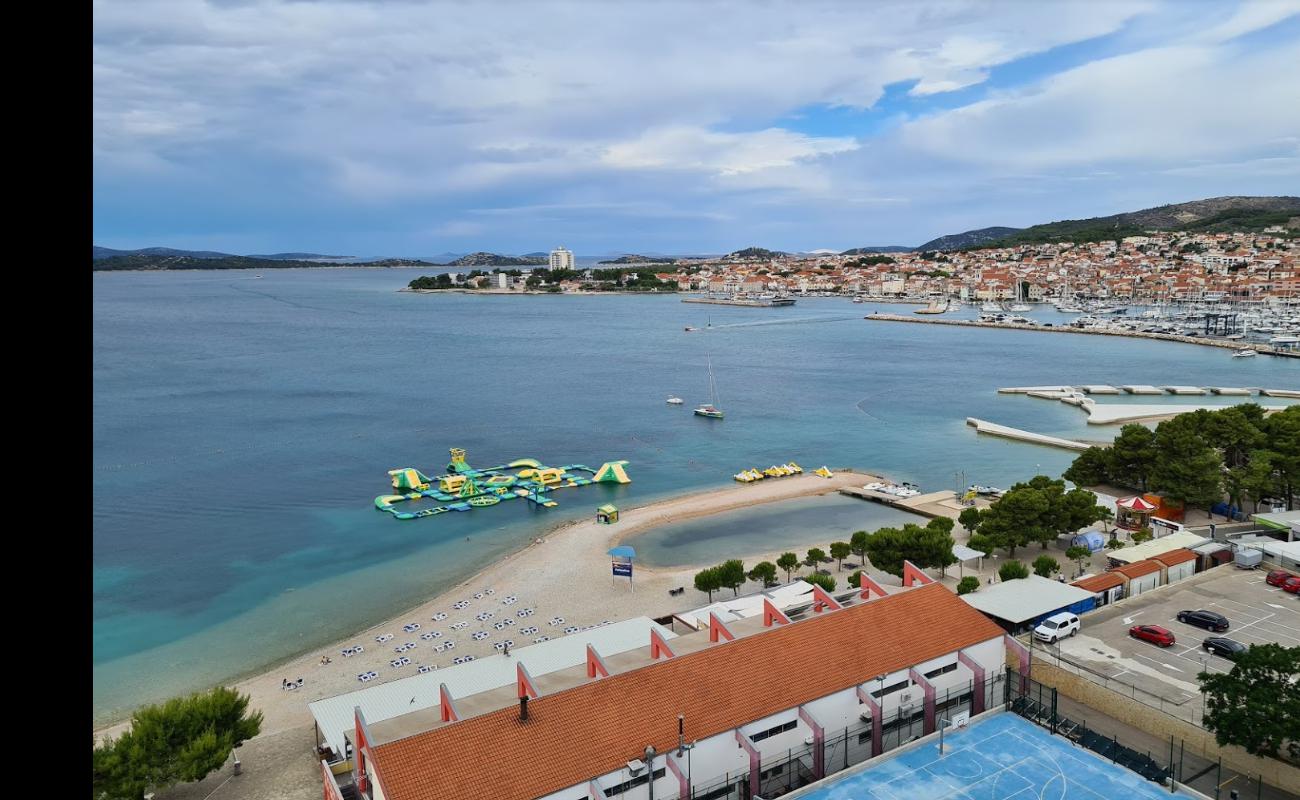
<point x="1161" y="337"/>
<point x="543" y="574"/>
<point x="506" y="292"/>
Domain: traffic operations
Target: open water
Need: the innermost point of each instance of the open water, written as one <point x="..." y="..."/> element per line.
<point x="244" y="425"/>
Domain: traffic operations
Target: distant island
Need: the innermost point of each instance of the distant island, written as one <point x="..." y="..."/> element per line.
<point x="494" y="260"/>
<point x="546" y="281"/>
<point x="633" y="258"/>
<point x="142" y="261"/>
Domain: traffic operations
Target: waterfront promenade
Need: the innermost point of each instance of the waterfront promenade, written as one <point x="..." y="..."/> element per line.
<point x="1262" y="349"/>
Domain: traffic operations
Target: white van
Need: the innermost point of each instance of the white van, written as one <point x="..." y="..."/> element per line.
<point x="1057" y="626"/>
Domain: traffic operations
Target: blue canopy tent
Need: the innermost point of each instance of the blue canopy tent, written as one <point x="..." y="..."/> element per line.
<point x="1092" y="540"/>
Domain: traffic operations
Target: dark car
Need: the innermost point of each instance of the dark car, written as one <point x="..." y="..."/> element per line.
<point x="1292" y="585"/>
<point x="1221" y="646"/>
<point x="1152" y="633"/>
<point x="1278" y="577"/>
<point x="1204" y="619"/>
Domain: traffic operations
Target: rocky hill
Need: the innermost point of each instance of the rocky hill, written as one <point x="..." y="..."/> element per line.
<point x="147" y="261"/>
<point x="494" y="260"/>
<point x="956" y="241"/>
<point x="633" y="258"/>
<point x="1213" y="215"/>
<point x="755" y="254"/>
<point x="887" y="248"/>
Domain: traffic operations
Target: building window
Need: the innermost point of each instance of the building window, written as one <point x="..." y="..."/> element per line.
<point x="934" y="673"/>
<point x="890" y="689"/>
<point x="782" y="728"/>
<point x="779" y="769"/>
<point x="640" y="780"/>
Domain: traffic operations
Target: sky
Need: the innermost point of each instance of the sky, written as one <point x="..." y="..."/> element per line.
<point x="396" y="127"/>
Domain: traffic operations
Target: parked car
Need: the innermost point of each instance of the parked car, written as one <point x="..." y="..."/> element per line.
<point x="1057" y="626"/>
<point x="1292" y="584"/>
<point x="1152" y="633"/>
<point x="1278" y="577"/>
<point x="1223" y="646"/>
<point x="1204" y="619"/>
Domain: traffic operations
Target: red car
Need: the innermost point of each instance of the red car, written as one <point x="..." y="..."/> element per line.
<point x="1152" y="633"/>
<point x="1278" y="577"/>
<point x="1292" y="584"/>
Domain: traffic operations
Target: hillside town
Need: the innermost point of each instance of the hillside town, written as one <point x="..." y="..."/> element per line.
<point x="1158" y="267"/>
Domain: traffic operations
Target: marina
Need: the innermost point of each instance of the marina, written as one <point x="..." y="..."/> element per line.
<point x="753" y="300"/>
<point x="1277" y="346"/>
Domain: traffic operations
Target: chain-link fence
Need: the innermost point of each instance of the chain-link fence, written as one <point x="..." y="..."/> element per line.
<point x="785" y="771"/>
<point x="1039" y="703"/>
<point x="1188" y="708"/>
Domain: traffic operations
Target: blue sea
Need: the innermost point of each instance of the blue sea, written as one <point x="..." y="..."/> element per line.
<point x="244" y="425"/>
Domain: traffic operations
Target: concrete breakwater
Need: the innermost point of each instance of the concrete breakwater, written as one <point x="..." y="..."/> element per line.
<point x="1263" y="349"/>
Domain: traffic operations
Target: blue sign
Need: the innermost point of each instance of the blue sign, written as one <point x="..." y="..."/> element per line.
<point x="623" y="568"/>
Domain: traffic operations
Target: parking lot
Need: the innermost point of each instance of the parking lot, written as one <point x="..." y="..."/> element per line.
<point x="1166" y="676"/>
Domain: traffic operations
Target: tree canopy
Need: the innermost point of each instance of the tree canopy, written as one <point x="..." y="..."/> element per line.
<point x="1199" y="456"/>
<point x="1257" y="704"/>
<point x="926" y="547"/>
<point x="788" y="562"/>
<point x="1012" y="570"/>
<point x="764" y="571"/>
<point x="708" y="580"/>
<point x="1037" y="511"/>
<point x="181" y="740"/>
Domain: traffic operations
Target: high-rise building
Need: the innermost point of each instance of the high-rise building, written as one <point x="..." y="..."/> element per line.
<point x="561" y="259"/>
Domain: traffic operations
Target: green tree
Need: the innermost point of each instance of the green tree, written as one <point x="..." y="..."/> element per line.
<point x="970" y="519"/>
<point x="1078" y="555"/>
<point x="1090" y="468"/>
<point x="1019" y="517"/>
<point x="181" y="740"/>
<point x="1258" y="479"/>
<point x="708" y="580"/>
<point x="1257" y="704"/>
<point x="839" y="552"/>
<point x="1282" y="431"/>
<point x="1011" y="570"/>
<point x="1046" y="566"/>
<point x="1142" y="535"/>
<point x="1235" y="432"/>
<point x="1187" y="468"/>
<point x="928" y="547"/>
<point x="858" y="544"/>
<point x="968" y="584"/>
<point x="731" y="573"/>
<point x="827" y="582"/>
<point x="788" y="562"/>
<point x="981" y="543"/>
<point x="815" y="557"/>
<point x="855" y="579"/>
<point x="1132" y="456"/>
<point x="764" y="571"/>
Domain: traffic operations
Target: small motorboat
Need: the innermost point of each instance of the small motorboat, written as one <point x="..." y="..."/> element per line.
<point x="1244" y="354"/>
<point x="674" y="401"/>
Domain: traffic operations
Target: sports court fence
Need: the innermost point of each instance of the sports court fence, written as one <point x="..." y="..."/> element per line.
<point x="1039" y="704"/>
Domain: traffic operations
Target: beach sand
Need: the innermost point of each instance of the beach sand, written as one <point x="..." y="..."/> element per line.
<point x="545" y="576"/>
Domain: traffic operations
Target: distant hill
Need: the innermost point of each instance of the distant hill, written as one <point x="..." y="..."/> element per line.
<point x="957" y="241"/>
<point x="633" y="258"/>
<point x="302" y="257"/>
<point x="495" y="260"/>
<point x="1213" y="215"/>
<point x="153" y="261"/>
<point x="546" y="256"/>
<point x="108" y="252"/>
<point x="888" y="248"/>
<point x="757" y="253"/>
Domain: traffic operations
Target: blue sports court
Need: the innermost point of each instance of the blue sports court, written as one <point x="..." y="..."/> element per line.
<point x="998" y="758"/>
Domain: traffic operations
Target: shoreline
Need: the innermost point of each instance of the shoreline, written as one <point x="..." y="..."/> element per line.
<point x="507" y="292"/>
<point x="543" y="574"/>
<point x="1262" y="349"/>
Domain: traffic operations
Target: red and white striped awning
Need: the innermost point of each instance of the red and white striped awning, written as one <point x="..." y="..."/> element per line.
<point x="1135" y="503"/>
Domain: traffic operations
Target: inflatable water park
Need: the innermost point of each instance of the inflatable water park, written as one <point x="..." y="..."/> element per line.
<point x="464" y="488"/>
<point x="776" y="471"/>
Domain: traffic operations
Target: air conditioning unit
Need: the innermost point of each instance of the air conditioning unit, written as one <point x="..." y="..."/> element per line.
<point x="635" y="766"/>
<point x="865" y="716"/>
<point x="905" y="697"/>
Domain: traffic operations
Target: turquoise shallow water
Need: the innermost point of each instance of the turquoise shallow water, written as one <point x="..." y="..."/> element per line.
<point x="243" y="426"/>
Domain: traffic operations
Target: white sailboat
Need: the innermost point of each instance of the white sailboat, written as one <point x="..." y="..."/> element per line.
<point x="1019" y="305"/>
<point x="710" y="409"/>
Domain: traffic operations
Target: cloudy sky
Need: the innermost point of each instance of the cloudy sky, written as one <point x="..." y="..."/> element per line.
<point x="408" y="128"/>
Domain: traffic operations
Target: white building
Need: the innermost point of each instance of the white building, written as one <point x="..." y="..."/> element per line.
<point x="561" y="259"/>
<point x="503" y="280"/>
<point x="843" y="683"/>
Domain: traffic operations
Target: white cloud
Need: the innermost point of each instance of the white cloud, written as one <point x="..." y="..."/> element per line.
<point x="683" y="147"/>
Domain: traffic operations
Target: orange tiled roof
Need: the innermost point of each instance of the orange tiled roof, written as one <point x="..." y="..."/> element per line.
<point x="574" y="735"/>
<point x="1099" y="583"/>
<point x="1175" y="557"/>
<point x="1138" y="569"/>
